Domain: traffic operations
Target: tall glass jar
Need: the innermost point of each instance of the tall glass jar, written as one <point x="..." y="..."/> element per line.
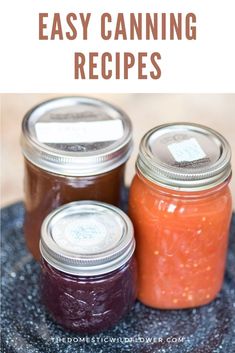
<point x="74" y="149"/>
<point x="180" y="205"/>
<point x="88" y="269"/>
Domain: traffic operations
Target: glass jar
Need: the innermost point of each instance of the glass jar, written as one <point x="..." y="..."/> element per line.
<point x="180" y="205"/>
<point x="88" y="269"/>
<point x="75" y="148"/>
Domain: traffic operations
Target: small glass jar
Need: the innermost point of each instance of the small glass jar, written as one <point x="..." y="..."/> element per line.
<point x="180" y="205"/>
<point x="75" y="149"/>
<point x="88" y="268"/>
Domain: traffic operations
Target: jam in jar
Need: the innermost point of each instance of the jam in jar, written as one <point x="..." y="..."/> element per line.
<point x="74" y="149"/>
<point x="88" y="269"/>
<point x="180" y="205"/>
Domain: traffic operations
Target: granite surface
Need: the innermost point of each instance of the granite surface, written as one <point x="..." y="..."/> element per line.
<point x="27" y="328"/>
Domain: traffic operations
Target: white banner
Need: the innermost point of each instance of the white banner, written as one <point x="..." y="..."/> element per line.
<point x="122" y="46"/>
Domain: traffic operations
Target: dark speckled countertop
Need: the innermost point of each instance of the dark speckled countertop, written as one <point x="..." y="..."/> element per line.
<point x="27" y="328"/>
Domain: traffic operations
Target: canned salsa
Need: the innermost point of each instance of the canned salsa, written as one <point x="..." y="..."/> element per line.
<point x="180" y="205"/>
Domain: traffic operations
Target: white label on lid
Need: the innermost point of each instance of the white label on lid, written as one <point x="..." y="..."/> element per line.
<point x="81" y="235"/>
<point x="186" y="150"/>
<point x="79" y="132"/>
<point x="85" y="235"/>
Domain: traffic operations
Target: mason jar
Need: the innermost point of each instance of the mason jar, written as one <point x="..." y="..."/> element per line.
<point x="74" y="148"/>
<point x="180" y="205"/>
<point x="88" y="268"/>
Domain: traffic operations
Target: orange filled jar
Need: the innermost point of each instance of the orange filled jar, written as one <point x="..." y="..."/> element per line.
<point x="180" y="204"/>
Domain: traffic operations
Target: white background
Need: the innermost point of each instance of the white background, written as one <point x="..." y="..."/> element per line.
<point x="30" y="65"/>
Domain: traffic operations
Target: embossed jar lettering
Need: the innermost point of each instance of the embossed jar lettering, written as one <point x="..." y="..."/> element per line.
<point x="88" y="279"/>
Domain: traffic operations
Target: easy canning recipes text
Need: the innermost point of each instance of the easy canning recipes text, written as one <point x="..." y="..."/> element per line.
<point x="120" y="27"/>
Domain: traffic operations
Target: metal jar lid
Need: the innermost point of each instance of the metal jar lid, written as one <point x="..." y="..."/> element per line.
<point x="76" y="136"/>
<point x="87" y="238"/>
<point x="184" y="156"/>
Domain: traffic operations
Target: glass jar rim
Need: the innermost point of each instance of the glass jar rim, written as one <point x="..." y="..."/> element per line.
<point x="182" y="193"/>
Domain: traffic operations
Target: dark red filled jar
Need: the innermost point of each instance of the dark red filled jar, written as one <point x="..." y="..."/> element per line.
<point x="88" y="268"/>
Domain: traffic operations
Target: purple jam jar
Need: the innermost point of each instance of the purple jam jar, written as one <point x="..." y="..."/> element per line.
<point x="88" y="268"/>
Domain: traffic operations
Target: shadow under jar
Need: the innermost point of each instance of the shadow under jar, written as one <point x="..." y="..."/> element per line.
<point x="88" y="270"/>
<point x="180" y="206"/>
<point x="75" y="149"/>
